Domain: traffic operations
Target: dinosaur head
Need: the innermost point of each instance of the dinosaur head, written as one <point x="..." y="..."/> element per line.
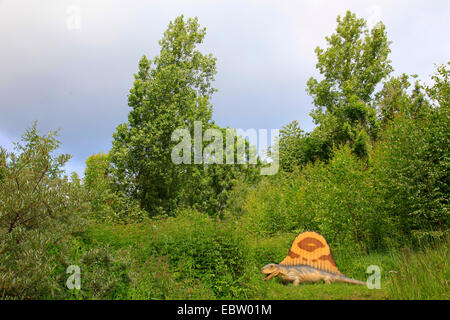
<point x="271" y="270"/>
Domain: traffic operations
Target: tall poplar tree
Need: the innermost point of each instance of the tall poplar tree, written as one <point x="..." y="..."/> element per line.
<point x="353" y="64"/>
<point x="171" y="91"/>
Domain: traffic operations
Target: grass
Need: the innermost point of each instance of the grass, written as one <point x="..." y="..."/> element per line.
<point x="319" y="291"/>
<point x="421" y="275"/>
<point x="405" y="274"/>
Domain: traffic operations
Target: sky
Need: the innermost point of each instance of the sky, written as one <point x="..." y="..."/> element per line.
<point x="69" y="64"/>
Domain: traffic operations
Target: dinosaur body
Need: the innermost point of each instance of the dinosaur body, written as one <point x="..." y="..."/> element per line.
<point x="308" y="260"/>
<point x="304" y="274"/>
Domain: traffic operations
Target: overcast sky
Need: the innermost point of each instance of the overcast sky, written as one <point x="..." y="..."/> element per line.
<point x="75" y="74"/>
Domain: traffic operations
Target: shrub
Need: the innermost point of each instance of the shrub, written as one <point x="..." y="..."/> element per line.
<point x="154" y="280"/>
<point x="336" y="199"/>
<point x="39" y="210"/>
<point x="411" y="168"/>
<point x="201" y="247"/>
<point x="103" y="275"/>
<point x="108" y="203"/>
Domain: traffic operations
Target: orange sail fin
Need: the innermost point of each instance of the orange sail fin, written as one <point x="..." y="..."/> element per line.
<point x="311" y="249"/>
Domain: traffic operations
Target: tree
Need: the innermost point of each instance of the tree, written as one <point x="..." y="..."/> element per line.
<point x="439" y="92"/>
<point x="394" y="99"/>
<point x="108" y="203"/>
<point x="170" y="92"/>
<point x="411" y="164"/>
<point x="207" y="187"/>
<point x="40" y="210"/>
<point x="355" y="61"/>
<point x="290" y="146"/>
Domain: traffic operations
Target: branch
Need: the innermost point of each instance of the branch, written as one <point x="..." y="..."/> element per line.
<point x="40" y="178"/>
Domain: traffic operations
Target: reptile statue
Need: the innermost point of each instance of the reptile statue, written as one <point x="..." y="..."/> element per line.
<point x="308" y="260"/>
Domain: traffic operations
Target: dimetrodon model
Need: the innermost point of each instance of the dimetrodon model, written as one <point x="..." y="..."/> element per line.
<point x="308" y="260"/>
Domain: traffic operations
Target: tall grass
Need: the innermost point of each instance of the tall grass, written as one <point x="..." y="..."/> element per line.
<point x="421" y="275"/>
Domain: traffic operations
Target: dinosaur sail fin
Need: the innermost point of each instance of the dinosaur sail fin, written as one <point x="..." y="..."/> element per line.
<point x="311" y="249"/>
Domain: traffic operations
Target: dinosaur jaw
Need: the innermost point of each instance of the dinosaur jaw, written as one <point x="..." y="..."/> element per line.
<point x="270" y="275"/>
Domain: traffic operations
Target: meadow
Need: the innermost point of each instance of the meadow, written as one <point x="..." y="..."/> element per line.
<point x="196" y="257"/>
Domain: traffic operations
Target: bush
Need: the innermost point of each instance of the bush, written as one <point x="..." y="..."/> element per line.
<point x="411" y="169"/>
<point x="396" y="195"/>
<point x="190" y="256"/>
<point x="201" y="247"/>
<point x="154" y="280"/>
<point x="103" y="276"/>
<point x="336" y="199"/>
<point x="108" y="203"/>
<point x="40" y="209"/>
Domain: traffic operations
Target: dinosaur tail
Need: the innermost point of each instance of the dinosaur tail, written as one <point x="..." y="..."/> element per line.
<point x="349" y="280"/>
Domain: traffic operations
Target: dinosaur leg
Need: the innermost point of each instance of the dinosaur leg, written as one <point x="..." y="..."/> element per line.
<point x="327" y="280"/>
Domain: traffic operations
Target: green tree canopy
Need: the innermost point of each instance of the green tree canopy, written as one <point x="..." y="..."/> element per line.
<point x="353" y="64"/>
<point x="170" y="92"/>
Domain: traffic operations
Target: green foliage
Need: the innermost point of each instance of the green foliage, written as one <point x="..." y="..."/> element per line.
<point x="353" y="64"/>
<point x="439" y="92"/>
<point x="201" y="247"/>
<point x="170" y="92"/>
<point x="355" y="61"/>
<point x="336" y="199"/>
<point x="393" y="97"/>
<point x="293" y="147"/>
<point x="154" y="281"/>
<point x="179" y="253"/>
<point x="420" y="275"/>
<point x="208" y="187"/>
<point x="108" y="202"/>
<point x="187" y="274"/>
<point x="264" y="250"/>
<point x="411" y="164"/>
<point x="399" y="195"/>
<point x="39" y="209"/>
<point x="97" y="183"/>
<point x="102" y="275"/>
